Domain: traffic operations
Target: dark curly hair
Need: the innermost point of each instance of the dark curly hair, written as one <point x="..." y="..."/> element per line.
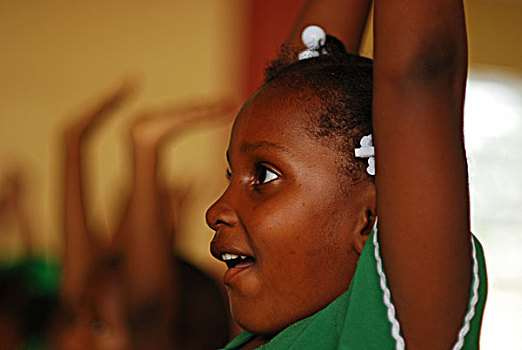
<point x="342" y="83"/>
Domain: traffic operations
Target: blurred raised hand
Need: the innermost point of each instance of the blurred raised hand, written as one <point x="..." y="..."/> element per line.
<point x="80" y="243"/>
<point x="85" y="122"/>
<point x="154" y="126"/>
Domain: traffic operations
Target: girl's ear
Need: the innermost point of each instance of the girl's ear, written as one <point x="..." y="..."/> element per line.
<point x="367" y="216"/>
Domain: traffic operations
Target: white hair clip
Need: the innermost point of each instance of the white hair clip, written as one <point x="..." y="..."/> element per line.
<point x="367" y="151"/>
<point x="313" y="37"/>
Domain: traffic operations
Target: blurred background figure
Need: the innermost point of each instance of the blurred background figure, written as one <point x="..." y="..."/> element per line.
<point x="132" y="292"/>
<point x="13" y="211"/>
<point x="28" y="282"/>
<point x="55" y="54"/>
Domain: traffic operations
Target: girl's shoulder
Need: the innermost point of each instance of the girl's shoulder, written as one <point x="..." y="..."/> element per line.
<point x="371" y="321"/>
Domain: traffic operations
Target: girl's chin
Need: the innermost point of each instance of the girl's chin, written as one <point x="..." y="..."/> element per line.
<point x="263" y="326"/>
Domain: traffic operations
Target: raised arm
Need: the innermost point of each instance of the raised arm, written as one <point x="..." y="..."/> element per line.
<point x="12" y="200"/>
<point x="79" y="242"/>
<point x="344" y="19"/>
<point x="422" y="185"/>
<point x="147" y="244"/>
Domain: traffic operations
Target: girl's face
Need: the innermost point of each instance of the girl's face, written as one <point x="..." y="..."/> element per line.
<point x="284" y="211"/>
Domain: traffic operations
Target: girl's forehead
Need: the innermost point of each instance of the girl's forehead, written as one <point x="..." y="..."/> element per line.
<point x="274" y="111"/>
<point x="274" y="127"/>
<point x="277" y="132"/>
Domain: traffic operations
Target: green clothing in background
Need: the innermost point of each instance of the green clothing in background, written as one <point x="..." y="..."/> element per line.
<point x="29" y="295"/>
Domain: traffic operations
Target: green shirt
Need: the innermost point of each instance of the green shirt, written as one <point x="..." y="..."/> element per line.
<point x="358" y="319"/>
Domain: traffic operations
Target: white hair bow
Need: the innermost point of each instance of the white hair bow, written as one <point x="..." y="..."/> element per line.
<point x="367" y="151"/>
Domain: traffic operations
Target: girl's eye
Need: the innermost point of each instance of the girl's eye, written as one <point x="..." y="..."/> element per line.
<point x="265" y="176"/>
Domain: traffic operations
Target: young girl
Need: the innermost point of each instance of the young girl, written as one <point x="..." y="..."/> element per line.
<point x="306" y="269"/>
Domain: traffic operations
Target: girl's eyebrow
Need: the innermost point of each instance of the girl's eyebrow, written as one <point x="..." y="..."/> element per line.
<point x="249" y="147"/>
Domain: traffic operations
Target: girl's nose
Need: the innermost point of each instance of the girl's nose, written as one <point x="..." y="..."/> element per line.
<point x="221" y="213"/>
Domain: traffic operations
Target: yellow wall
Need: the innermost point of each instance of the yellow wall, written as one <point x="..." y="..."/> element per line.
<point x="56" y="57"/>
<point x="494" y="33"/>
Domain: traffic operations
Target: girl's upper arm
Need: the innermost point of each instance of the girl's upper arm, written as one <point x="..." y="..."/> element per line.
<point x="422" y="188"/>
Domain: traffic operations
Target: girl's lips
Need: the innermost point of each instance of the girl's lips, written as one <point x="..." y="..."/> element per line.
<point x="234" y="271"/>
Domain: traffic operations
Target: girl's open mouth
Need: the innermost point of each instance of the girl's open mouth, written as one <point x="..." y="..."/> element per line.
<point x="234" y="260"/>
<point x="235" y="263"/>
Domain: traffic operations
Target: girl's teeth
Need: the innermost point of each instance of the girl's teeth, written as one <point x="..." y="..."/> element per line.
<point x="228" y="256"/>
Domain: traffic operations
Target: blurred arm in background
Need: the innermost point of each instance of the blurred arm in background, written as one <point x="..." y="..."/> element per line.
<point x="146" y="238"/>
<point x="80" y="243"/>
